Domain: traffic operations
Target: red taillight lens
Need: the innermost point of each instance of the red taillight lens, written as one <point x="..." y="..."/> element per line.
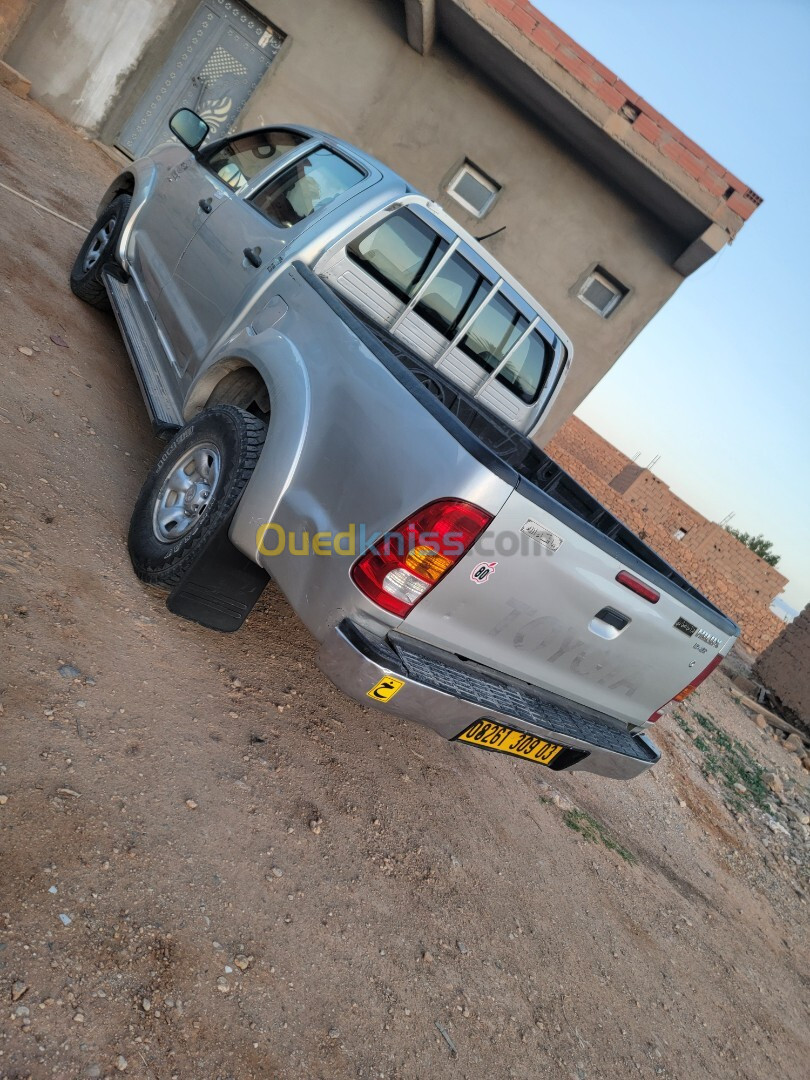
<point x="636" y="585"/>
<point x="405" y="564"/>
<point x="687" y="690"/>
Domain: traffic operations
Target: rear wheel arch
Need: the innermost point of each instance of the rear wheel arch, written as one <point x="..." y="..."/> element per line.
<point x="232" y="381"/>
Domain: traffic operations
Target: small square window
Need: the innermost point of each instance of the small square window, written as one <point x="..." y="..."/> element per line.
<point x="679" y="534"/>
<point x="473" y="189"/>
<point x="601" y="292"/>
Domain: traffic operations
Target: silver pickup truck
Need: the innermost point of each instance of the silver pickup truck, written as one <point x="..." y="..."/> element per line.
<point x="349" y="385"/>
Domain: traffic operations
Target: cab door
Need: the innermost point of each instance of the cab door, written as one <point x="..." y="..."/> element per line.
<point x="188" y="191"/>
<point x="227" y="261"/>
<point x="183" y="196"/>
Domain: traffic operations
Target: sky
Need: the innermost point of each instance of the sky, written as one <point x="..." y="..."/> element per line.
<point x="718" y="383"/>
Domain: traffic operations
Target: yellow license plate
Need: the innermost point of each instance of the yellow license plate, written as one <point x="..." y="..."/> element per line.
<point x="505" y="740"/>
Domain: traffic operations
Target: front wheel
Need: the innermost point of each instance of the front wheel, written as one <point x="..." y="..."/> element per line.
<point x="98" y="251"/>
<point x="193" y="488"/>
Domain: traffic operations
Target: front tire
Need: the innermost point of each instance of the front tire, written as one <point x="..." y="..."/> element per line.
<point x="98" y="251"/>
<point x="192" y="489"/>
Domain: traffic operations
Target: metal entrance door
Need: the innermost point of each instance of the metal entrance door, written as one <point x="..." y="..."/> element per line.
<point x="217" y="63"/>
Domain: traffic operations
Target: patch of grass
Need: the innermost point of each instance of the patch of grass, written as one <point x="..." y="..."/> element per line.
<point x="730" y="762"/>
<point x="681" y="722"/>
<point x="594" y="831"/>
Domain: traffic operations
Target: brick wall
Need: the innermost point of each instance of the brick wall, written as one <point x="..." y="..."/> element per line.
<point x="595" y="453"/>
<point x="724" y="570"/>
<point x="724" y="552"/>
<point x="712" y="544"/>
<point x="654" y="497"/>
<point x="784" y="666"/>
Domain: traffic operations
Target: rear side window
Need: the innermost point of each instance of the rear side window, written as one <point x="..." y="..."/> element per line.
<point x="239" y="160"/>
<point x="310" y="184"/>
<point x="399" y="253"/>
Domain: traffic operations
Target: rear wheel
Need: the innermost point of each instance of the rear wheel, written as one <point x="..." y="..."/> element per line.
<point x="193" y="488"/>
<point x="98" y="251"/>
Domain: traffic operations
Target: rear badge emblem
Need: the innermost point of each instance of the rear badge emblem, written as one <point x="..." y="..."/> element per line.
<point x="698" y="632"/>
<point x="541" y="535"/>
<point x="482" y="572"/>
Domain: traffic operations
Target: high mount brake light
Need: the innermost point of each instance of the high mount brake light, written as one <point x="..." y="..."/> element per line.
<point x="636" y="585"/>
<point x="687" y="690"/>
<point x="404" y="565"/>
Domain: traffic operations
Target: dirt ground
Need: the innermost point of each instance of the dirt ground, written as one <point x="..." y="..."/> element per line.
<point x="214" y="865"/>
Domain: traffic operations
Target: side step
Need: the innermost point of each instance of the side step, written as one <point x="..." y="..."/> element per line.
<point x="222" y="586"/>
<point x="146" y="353"/>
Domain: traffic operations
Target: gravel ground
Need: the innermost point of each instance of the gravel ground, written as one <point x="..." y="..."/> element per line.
<point x="214" y="865"/>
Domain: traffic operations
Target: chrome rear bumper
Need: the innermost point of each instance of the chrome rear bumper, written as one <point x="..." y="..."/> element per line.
<point x="446" y="694"/>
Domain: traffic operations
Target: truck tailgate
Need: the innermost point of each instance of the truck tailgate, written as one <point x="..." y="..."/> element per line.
<point x="546" y="608"/>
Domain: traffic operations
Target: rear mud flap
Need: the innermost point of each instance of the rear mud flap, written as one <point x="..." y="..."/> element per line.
<point x="221" y="587"/>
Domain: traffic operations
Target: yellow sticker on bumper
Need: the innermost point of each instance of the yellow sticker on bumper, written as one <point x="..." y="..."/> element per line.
<point x="385" y="689"/>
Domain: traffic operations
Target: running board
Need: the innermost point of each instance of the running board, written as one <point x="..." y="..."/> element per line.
<point x="146" y="353"/>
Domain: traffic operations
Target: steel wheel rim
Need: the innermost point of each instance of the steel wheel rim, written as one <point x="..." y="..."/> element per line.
<point x="98" y="244"/>
<point x="186" y="493"/>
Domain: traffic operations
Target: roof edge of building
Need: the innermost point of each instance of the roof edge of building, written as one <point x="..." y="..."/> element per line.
<point x="611" y="105"/>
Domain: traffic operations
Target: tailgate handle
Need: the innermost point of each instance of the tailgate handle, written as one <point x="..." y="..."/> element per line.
<point x="608" y="623"/>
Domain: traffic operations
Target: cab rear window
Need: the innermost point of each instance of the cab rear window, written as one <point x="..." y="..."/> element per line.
<point x="400" y="253"/>
<point x="403" y="253"/>
<point x="499" y="332"/>
<point x="453" y="294"/>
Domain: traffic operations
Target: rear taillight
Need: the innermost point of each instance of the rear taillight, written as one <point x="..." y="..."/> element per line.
<point x="405" y="564"/>
<point x="687" y="690"/>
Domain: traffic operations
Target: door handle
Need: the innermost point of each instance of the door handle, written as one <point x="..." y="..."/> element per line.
<point x="608" y="623"/>
<point x="205" y="205"/>
<point x="253" y="257"/>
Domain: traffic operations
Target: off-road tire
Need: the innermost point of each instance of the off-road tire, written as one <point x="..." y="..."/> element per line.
<point x="238" y="436"/>
<point x="98" y="251"/>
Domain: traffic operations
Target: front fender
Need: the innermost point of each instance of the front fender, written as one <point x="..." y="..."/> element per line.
<point x="281" y="366"/>
<point x="139" y="182"/>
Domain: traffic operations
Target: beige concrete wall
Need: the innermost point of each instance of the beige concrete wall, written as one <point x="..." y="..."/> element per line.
<point x="784" y="667"/>
<point x="78" y="54"/>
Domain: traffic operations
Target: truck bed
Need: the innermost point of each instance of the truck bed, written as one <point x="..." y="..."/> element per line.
<point x="537" y="475"/>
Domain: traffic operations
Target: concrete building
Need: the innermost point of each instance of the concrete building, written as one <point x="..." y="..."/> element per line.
<point x="597" y="203"/>
<point x="732" y="576"/>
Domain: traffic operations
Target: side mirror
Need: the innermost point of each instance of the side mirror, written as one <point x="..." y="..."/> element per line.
<point x="189" y="128"/>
